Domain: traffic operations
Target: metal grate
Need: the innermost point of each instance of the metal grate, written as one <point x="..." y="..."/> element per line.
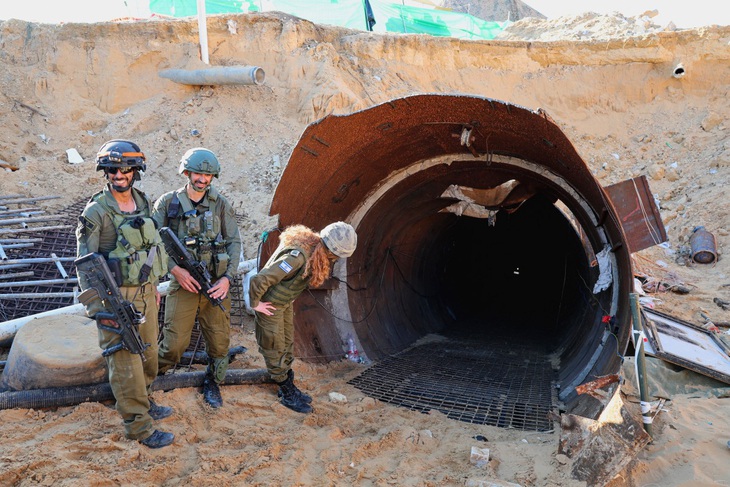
<point x="493" y="384"/>
<point x="62" y="242"/>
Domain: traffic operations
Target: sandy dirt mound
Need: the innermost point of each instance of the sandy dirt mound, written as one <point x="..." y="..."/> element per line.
<point x="612" y="92"/>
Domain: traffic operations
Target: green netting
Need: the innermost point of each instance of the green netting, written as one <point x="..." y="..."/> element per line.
<point x="345" y="13"/>
<point x="395" y="17"/>
<point x="187" y="8"/>
<point x="389" y="16"/>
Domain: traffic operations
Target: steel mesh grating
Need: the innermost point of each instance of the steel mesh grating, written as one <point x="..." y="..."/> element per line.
<point x="62" y="242"/>
<point x="467" y="381"/>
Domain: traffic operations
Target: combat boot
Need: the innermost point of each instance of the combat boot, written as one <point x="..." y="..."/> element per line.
<point x="158" y="412"/>
<point x="291" y="399"/>
<point x="158" y="439"/>
<point x="211" y="392"/>
<point x="302" y="395"/>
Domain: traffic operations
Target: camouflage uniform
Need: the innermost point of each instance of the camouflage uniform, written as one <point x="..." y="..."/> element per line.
<point x="280" y="282"/>
<point x="212" y="225"/>
<point x="130" y="378"/>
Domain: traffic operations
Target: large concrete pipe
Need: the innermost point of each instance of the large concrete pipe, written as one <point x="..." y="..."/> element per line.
<point x="545" y="263"/>
<point x="218" y="75"/>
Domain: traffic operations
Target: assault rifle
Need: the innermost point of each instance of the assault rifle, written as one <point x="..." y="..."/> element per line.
<point x="184" y="259"/>
<point x="120" y="317"/>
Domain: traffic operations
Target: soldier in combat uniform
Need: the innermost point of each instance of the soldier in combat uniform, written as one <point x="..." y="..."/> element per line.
<point x="116" y="223"/>
<point x="205" y="222"/>
<point x="303" y="258"/>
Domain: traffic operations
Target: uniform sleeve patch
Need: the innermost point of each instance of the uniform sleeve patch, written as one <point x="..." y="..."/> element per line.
<point x="285" y="266"/>
<point x="85" y="226"/>
<point x="294" y="253"/>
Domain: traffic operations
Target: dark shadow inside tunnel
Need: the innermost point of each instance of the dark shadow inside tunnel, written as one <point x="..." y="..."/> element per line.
<point x="508" y="295"/>
<point x="516" y="279"/>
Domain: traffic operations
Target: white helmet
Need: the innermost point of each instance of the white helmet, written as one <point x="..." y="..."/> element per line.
<point x="340" y="238"/>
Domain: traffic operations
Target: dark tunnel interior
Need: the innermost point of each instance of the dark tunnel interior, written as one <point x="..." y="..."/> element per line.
<point x="516" y="279"/>
<point x="521" y="282"/>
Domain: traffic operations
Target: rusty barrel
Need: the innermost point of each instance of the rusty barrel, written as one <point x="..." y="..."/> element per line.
<point x="703" y="245"/>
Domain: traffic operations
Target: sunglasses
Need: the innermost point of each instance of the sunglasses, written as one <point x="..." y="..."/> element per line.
<point x="123" y="169"/>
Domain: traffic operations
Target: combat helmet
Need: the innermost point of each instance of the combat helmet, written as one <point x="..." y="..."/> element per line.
<point x="201" y="161"/>
<point x="340" y="238"/>
<point x="120" y="153"/>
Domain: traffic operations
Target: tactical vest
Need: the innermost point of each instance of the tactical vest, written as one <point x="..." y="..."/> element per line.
<point x="201" y="234"/>
<point x="287" y="290"/>
<point x="139" y="249"/>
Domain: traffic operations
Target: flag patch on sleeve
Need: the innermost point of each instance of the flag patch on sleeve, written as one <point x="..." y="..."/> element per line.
<point x="285" y="266"/>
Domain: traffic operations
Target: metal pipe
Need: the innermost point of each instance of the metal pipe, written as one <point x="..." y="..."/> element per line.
<point x="59" y="266"/>
<point x="14" y="246"/>
<point x="10" y="196"/>
<point x="27" y="211"/>
<point x="72" y="280"/>
<point x="17" y="274"/>
<point x="28" y="200"/>
<point x="640" y="360"/>
<point x="14" y="266"/>
<point x="19" y="240"/>
<point x="37" y="295"/>
<point x="70" y="396"/>
<point x="218" y="75"/>
<point x="203" y="32"/>
<point x="13" y="221"/>
<point x="37" y="260"/>
<point x="35" y="229"/>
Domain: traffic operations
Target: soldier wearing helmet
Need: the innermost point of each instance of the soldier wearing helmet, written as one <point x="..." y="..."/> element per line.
<point x="303" y="259"/>
<point x="205" y="222"/>
<point x="117" y="223"/>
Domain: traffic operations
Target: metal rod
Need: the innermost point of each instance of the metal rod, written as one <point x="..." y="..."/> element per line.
<point x="19" y="240"/>
<point x="59" y="266"/>
<point x="14" y="266"/>
<point x="32" y="219"/>
<point x="15" y="246"/>
<point x="640" y="363"/>
<point x="27" y="200"/>
<point x="29" y="211"/>
<point x="10" y="196"/>
<point x="3" y="255"/>
<point x="36" y="260"/>
<point x="17" y="274"/>
<point x="72" y="280"/>
<point x="35" y="229"/>
<point x="37" y="295"/>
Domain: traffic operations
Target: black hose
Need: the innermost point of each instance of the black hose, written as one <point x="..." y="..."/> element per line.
<point x="70" y="396"/>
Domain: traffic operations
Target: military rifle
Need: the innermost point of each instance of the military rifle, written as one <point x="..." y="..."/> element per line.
<point x="182" y="257"/>
<point x="120" y="317"/>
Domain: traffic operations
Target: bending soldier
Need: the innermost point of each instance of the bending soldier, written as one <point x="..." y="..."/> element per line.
<point x="204" y="221"/>
<point x="116" y="223"/>
<point x="304" y="258"/>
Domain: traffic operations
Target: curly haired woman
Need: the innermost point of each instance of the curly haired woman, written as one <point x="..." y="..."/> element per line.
<point x="303" y="258"/>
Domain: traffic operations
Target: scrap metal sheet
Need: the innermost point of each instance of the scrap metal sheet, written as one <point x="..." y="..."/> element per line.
<point x="687" y="345"/>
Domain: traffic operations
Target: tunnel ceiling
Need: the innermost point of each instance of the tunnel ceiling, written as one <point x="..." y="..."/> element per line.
<point x="345" y="157"/>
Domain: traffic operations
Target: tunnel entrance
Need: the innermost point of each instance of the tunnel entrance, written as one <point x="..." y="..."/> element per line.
<point x="500" y="297"/>
<point x="477" y="223"/>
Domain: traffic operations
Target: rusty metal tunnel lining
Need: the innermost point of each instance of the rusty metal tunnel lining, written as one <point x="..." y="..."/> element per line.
<point x="383" y="170"/>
